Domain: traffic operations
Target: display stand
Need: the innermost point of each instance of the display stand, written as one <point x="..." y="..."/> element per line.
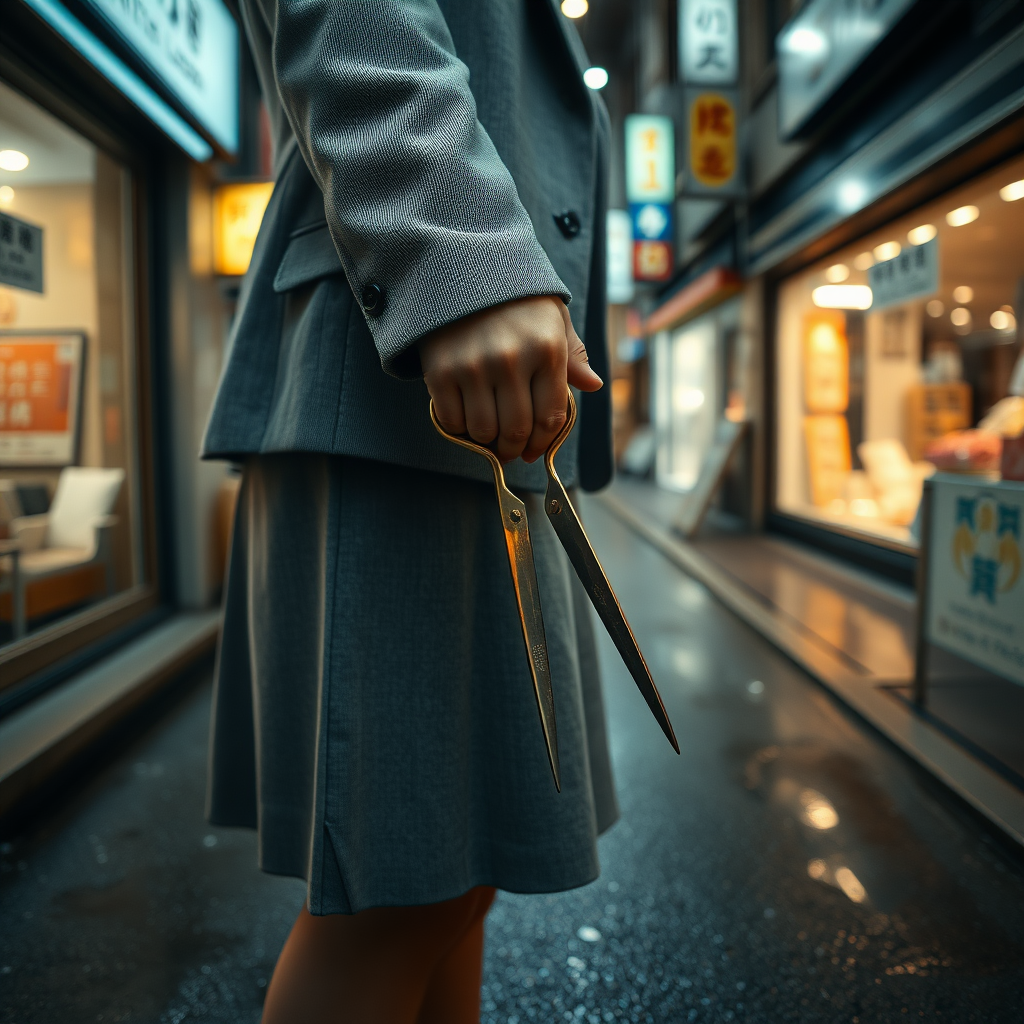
<point x="728" y="436"/>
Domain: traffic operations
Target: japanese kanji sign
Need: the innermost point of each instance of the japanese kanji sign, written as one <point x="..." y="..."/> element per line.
<point x="712" y="164"/>
<point x="40" y="397"/>
<point x="21" y="253"/>
<point x="650" y="159"/>
<point x="651" y="189"/>
<point x="975" y="585"/>
<point x="708" y="50"/>
<point x="911" y="275"/>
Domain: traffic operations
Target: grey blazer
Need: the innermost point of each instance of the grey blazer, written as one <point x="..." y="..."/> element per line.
<point x="433" y="158"/>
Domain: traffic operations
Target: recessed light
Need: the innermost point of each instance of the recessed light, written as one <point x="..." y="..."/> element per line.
<point x="960" y="317"/>
<point x="1000" y="320"/>
<point x="12" y="160"/>
<point x="921" y="234"/>
<point x="962" y="215"/>
<point x="575" y="8"/>
<point x="935" y="308"/>
<point x="595" y="78"/>
<point x="865" y="261"/>
<point x="852" y="195"/>
<point x="887" y="251"/>
<point x="1012" y="192"/>
<point x="842" y="296"/>
<point x="837" y="273"/>
<point x="963" y="294"/>
<point x="6" y="195"/>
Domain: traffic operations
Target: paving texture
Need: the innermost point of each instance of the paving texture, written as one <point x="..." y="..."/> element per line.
<point x="789" y="866"/>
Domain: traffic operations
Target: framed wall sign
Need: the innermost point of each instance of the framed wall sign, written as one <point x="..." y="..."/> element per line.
<point x="40" y="397"/>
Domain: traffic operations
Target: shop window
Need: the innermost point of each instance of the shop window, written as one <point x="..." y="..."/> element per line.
<point x="895" y="357"/>
<point x="71" y="539"/>
<point x="687" y="406"/>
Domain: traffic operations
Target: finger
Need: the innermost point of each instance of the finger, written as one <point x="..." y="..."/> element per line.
<point x="578" y="371"/>
<point x="515" y="416"/>
<point x="549" y="409"/>
<point x="481" y="412"/>
<point x="447" y="399"/>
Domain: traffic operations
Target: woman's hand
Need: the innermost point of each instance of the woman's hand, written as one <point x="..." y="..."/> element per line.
<point x="500" y="374"/>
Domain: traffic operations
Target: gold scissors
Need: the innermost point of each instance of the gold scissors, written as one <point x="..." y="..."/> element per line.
<point x="570" y="532"/>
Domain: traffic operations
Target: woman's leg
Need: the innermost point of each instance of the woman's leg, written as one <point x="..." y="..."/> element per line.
<point x="453" y="995"/>
<point x="374" y="967"/>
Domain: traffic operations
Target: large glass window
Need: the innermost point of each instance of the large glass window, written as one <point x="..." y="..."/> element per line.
<point x="70" y="524"/>
<point x="894" y="358"/>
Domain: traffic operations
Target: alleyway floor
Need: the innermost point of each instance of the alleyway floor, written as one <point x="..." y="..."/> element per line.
<point x="789" y="866"/>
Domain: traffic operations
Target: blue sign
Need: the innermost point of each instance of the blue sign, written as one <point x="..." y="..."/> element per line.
<point x="652" y="222"/>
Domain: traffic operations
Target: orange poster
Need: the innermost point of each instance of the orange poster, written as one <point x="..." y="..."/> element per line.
<point x="40" y="386"/>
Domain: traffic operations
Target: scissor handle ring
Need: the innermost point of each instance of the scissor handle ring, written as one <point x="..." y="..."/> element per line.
<point x="549" y="455"/>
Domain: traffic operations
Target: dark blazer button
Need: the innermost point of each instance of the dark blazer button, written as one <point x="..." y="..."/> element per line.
<point x="568" y="223"/>
<point x="373" y="299"/>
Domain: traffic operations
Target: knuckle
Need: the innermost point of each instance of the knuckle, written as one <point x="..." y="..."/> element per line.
<point x="552" y="421"/>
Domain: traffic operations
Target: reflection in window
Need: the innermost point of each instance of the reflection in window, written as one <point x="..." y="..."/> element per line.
<point x="69" y="525"/>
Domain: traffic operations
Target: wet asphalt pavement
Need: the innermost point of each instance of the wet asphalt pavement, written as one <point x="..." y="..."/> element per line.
<point x="789" y="866"/>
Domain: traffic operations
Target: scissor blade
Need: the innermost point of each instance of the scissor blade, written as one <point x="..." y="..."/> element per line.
<point x="564" y="519"/>
<point x="524" y="581"/>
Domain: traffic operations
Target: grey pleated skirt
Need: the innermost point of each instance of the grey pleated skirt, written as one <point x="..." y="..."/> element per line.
<point x="374" y="716"/>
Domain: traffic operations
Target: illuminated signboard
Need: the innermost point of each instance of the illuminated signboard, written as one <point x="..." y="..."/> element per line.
<point x="650" y="189"/>
<point x="822" y="46"/>
<point x="237" y="214"/>
<point x="191" y="47"/>
<point x="712" y="167"/>
<point x="708" y="42"/>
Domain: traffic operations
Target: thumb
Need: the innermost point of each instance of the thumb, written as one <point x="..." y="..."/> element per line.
<point x="578" y="372"/>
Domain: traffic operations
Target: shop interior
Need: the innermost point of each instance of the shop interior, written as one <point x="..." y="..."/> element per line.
<point x="69" y="521"/>
<point x="876" y="390"/>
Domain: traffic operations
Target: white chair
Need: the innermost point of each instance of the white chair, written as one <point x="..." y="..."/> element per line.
<point x="75" y="533"/>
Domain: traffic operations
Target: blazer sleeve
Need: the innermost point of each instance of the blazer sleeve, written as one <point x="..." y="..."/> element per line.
<point x="418" y="202"/>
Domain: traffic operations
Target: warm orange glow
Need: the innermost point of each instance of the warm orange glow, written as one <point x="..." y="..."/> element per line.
<point x="237" y="215"/>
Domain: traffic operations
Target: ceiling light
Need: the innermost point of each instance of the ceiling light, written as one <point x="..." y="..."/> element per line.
<point x="574" y="8"/>
<point x="963" y="294"/>
<point x="837" y="273"/>
<point x="935" y="308"/>
<point x="842" y="296"/>
<point x="12" y="160"/>
<point x="852" y="195"/>
<point x="865" y="261"/>
<point x="1002" y="321"/>
<point x="887" y="251"/>
<point x="962" y="215"/>
<point x="960" y="317"/>
<point x="806" y="41"/>
<point x="1012" y="192"/>
<point x="6" y="195"/>
<point x="595" y="78"/>
<point x="921" y="234"/>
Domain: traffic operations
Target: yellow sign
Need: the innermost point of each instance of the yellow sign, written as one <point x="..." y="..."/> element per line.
<point x="712" y="139"/>
<point x="237" y="215"/>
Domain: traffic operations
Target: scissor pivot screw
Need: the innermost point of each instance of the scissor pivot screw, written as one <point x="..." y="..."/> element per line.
<point x="515" y="515"/>
<point x="554" y="507"/>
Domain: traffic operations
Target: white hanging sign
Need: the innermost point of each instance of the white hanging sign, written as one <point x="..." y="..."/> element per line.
<point x="708" y="44"/>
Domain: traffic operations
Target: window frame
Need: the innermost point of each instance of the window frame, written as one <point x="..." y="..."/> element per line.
<point x="48" y="655"/>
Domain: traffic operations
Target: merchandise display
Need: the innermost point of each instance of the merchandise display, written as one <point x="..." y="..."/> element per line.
<point x="900" y="355"/>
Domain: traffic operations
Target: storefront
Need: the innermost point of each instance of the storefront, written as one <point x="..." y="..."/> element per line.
<point x="111" y="324"/>
<point x="881" y="251"/>
<point x="890" y="349"/>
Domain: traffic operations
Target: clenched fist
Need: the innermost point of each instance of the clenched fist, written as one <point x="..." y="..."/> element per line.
<point x="500" y="375"/>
